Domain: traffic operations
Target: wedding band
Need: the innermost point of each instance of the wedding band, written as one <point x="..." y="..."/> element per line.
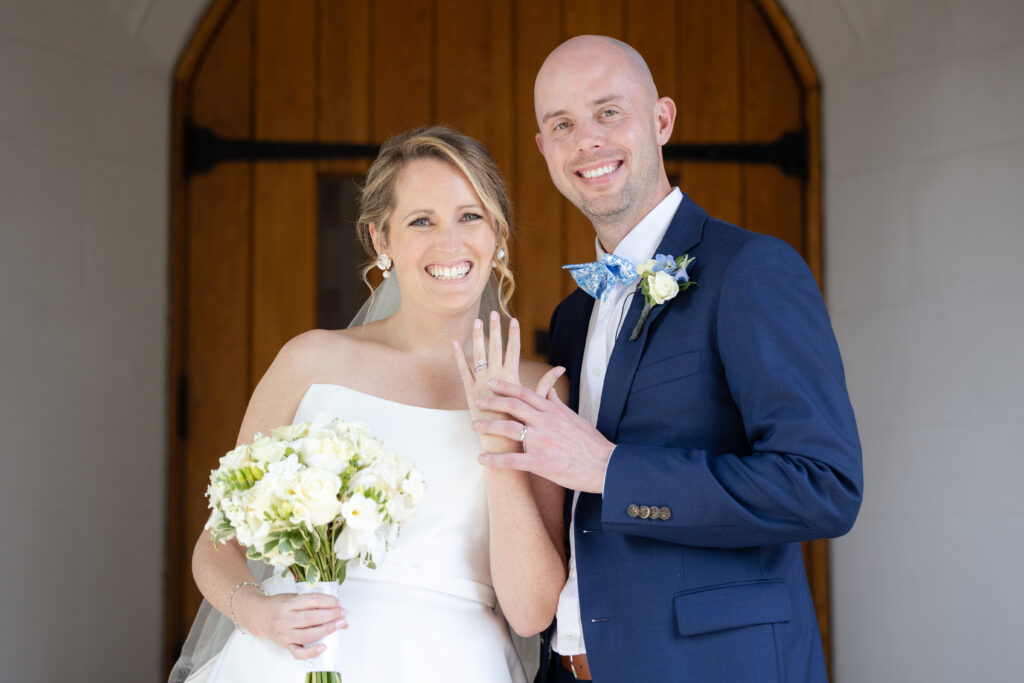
<point x="479" y="365"/>
<point x="522" y="437"/>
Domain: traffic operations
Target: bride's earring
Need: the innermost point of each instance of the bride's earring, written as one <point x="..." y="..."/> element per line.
<point x="384" y="263"/>
<point x="500" y="255"/>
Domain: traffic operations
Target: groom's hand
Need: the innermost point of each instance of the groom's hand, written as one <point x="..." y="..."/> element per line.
<point x="559" y="445"/>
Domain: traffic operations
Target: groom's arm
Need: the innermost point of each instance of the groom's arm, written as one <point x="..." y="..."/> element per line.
<point x="802" y="478"/>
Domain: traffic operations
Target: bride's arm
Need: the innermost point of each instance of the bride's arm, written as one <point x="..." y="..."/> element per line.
<point x="527" y="547"/>
<point x="289" y="620"/>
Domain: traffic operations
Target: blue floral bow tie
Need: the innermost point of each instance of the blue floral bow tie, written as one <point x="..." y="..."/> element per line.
<point x="597" y="278"/>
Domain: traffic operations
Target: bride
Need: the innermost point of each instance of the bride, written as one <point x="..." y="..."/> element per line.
<point x="435" y="216"/>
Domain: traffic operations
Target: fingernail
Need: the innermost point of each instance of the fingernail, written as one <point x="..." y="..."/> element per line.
<point x="457" y="345"/>
<point x="561" y="371"/>
<point x="343" y="613"/>
<point x="341" y="624"/>
<point x="476" y="423"/>
<point x="492" y="383"/>
<point x="494" y="315"/>
<point x="514" y="322"/>
<point x="478" y="324"/>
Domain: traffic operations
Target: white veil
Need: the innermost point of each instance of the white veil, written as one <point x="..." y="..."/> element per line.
<point x="211" y="629"/>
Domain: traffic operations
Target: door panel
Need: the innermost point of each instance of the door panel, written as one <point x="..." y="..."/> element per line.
<point x="359" y="71"/>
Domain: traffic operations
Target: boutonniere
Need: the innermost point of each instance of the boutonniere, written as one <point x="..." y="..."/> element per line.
<point x="661" y="278"/>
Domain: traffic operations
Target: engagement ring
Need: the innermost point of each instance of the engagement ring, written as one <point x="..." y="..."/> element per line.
<point x="479" y="365"/>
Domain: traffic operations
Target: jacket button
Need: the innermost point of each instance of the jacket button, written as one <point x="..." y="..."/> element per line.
<point x="655" y="512"/>
<point x="665" y="512"/>
<point x="633" y="510"/>
<point x="645" y="512"/>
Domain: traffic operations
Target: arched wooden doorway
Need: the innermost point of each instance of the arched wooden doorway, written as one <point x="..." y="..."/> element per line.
<point x="247" y="237"/>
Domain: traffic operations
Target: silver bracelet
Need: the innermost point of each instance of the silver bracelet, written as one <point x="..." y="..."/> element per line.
<point x="231" y="599"/>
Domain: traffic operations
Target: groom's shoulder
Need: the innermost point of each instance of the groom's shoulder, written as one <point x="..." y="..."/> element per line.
<point x="724" y="241"/>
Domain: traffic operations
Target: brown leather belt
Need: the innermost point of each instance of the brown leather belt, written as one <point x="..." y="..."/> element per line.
<point x="578" y="665"/>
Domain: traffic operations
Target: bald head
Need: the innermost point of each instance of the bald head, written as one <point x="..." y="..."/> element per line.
<point x="594" y="52"/>
<point x="601" y="126"/>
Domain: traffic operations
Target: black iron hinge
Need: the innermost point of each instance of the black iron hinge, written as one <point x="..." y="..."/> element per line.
<point x="204" y="149"/>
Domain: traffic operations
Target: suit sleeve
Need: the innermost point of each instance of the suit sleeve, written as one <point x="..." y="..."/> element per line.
<point x="801" y="478"/>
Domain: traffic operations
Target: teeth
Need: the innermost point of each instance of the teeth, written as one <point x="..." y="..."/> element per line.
<point x="449" y="272"/>
<point x="598" y="172"/>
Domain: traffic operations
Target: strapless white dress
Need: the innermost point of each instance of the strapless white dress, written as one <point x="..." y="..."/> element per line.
<point x="427" y="614"/>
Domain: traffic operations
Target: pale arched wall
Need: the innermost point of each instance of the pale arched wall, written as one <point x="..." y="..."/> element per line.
<point x="923" y="107"/>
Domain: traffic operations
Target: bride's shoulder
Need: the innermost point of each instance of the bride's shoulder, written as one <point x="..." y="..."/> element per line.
<point x="311" y="349"/>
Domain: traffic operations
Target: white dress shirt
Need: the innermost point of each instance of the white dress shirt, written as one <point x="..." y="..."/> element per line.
<point x="605" y="323"/>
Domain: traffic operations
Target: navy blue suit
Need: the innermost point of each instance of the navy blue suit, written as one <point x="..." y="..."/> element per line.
<point x="730" y="411"/>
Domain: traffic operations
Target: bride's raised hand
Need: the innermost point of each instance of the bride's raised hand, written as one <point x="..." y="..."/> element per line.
<point x="292" y="621"/>
<point x="487" y="362"/>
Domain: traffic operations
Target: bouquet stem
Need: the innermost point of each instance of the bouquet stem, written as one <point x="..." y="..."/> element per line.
<point x="323" y="677"/>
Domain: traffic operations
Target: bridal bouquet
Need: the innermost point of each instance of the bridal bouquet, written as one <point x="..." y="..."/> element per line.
<point x="309" y="498"/>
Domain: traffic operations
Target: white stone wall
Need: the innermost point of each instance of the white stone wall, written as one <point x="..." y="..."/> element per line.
<point x="924" y="229"/>
<point x="924" y="216"/>
<point x="84" y="109"/>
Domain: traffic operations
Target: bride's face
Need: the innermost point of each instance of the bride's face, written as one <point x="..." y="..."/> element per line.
<point x="441" y="239"/>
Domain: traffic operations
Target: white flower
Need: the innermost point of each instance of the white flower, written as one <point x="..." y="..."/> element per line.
<point x="318" y="492"/>
<point x="331" y="454"/>
<point x="646" y="268"/>
<point x="662" y="287"/>
<point x="368" y="545"/>
<point x="413" y="486"/>
<point x="268" y="450"/>
<point x="290" y="432"/>
<point x="235" y="458"/>
<point x="360" y="512"/>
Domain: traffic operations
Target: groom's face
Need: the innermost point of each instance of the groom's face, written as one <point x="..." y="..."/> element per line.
<point x="599" y="132"/>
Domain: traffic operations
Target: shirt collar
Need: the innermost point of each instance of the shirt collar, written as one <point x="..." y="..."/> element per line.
<point x="639" y="244"/>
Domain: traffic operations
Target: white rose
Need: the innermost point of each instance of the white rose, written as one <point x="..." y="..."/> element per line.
<point x="318" y="492"/>
<point x="360" y="513"/>
<point x="265" y="449"/>
<point x="369" y="449"/>
<point x="662" y="287"/>
<point x="290" y="432"/>
<point x="331" y="454"/>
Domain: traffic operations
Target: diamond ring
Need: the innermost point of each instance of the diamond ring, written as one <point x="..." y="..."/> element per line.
<point x="479" y="365"/>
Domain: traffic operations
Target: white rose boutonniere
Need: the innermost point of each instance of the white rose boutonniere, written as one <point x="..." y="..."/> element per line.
<point x="661" y="279"/>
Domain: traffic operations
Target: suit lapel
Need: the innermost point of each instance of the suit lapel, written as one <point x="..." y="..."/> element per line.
<point x="684" y="232"/>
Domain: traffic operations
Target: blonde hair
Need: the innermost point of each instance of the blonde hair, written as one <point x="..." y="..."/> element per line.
<point x="468" y="155"/>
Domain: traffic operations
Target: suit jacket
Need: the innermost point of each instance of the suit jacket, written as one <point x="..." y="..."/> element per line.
<point x="731" y="418"/>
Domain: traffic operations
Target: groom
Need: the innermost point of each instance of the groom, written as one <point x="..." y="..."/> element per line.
<point x="711" y="437"/>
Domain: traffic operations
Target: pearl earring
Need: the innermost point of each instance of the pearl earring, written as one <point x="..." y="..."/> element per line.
<point x="384" y="263"/>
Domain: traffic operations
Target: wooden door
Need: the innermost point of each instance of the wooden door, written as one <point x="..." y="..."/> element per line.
<point x="245" y="234"/>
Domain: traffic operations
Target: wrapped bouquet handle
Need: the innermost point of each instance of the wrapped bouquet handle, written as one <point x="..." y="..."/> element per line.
<point x="326" y="666"/>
